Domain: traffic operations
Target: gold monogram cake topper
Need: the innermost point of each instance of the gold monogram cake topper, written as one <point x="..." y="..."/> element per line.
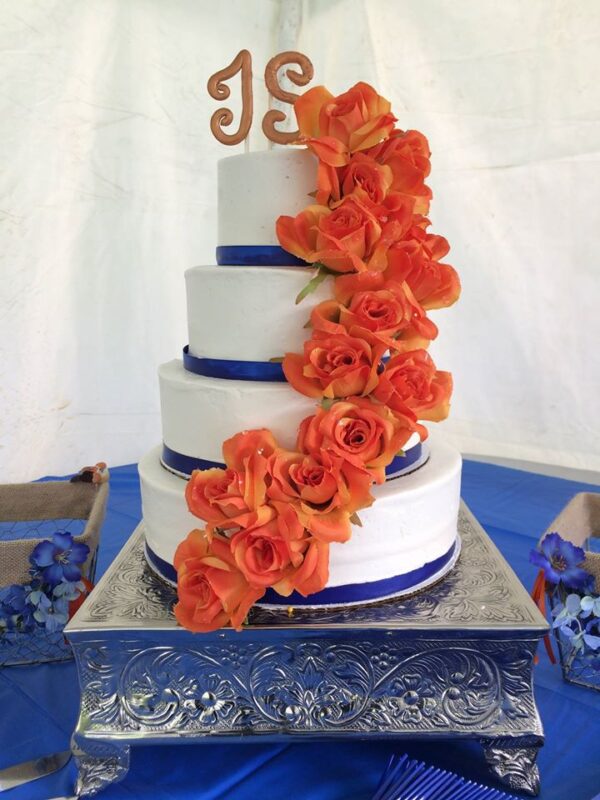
<point x="242" y="63"/>
<point x="218" y="89"/>
<point x="271" y="79"/>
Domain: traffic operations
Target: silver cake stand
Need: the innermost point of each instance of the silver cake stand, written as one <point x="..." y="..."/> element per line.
<point x="453" y="661"/>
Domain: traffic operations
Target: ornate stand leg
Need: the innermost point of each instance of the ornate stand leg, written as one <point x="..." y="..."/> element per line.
<point x="513" y="762"/>
<point x="98" y="764"/>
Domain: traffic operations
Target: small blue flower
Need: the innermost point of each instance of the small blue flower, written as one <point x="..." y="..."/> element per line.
<point x="567" y="615"/>
<point x="560" y="561"/>
<point x="52" y="614"/>
<point x="590" y="606"/>
<point x="70" y="591"/>
<point x="59" y="559"/>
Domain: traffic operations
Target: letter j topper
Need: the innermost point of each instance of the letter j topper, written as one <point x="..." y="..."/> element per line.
<point x="242" y="63"/>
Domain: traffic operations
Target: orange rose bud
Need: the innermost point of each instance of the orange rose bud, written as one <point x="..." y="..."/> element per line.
<point x="374" y="308"/>
<point x="323" y="488"/>
<point x="410" y="382"/>
<point x="334" y="366"/>
<point x="415" y="260"/>
<point x="357" y="119"/>
<point x="211" y="591"/>
<point x="359" y="430"/>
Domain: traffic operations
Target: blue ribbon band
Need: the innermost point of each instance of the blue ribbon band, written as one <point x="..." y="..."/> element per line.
<point x="185" y="465"/>
<point x="233" y="370"/>
<point x="334" y="595"/>
<point x="363" y="592"/>
<point x="164" y="569"/>
<point x="257" y="256"/>
<point x="402" y="464"/>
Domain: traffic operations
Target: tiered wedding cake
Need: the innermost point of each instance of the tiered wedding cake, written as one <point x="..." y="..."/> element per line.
<point x="242" y="319"/>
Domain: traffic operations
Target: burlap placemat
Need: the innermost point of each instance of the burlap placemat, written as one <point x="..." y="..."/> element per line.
<point x="577" y="522"/>
<point x="20" y="502"/>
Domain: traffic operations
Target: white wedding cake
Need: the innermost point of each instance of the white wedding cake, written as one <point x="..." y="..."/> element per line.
<point x="242" y="319"/>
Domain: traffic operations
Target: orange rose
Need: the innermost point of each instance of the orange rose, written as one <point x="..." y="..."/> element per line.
<point x="374" y="308"/>
<point x="334" y="366"/>
<point x="298" y="235"/>
<point x="267" y="554"/>
<point x="234" y="497"/>
<point x="347" y="239"/>
<point x="411" y="383"/>
<point x="407" y="154"/>
<point x="211" y="590"/>
<point x="282" y="554"/>
<point x="353" y="237"/>
<point x="416" y="260"/>
<point x="324" y="489"/>
<point x="362" y="176"/>
<point x="215" y="494"/>
<point x="334" y="127"/>
<point x="240" y="450"/>
<point x="365" y="177"/>
<point x="359" y="430"/>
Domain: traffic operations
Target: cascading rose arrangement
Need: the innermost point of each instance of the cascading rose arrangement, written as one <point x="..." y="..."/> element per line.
<point x="271" y="514"/>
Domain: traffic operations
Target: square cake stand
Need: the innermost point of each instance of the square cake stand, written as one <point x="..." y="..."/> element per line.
<point x="452" y="661"/>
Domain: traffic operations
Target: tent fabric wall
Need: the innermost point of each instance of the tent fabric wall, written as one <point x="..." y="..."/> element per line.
<point x="108" y="195"/>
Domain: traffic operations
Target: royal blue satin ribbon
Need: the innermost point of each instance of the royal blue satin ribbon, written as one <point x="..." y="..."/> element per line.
<point x="363" y="592"/>
<point x="233" y="370"/>
<point x="334" y="595"/>
<point x="164" y="569"/>
<point x="185" y="465"/>
<point x="257" y="256"/>
<point x="402" y="463"/>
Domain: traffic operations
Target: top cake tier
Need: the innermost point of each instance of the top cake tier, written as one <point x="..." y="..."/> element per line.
<point x="255" y="189"/>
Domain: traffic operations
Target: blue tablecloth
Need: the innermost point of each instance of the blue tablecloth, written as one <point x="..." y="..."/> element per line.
<point x="38" y="705"/>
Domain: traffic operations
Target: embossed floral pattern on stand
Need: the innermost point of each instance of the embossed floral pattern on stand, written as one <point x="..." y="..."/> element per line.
<point x="328" y="685"/>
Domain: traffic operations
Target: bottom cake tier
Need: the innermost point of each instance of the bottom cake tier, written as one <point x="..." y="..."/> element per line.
<point x="407" y="541"/>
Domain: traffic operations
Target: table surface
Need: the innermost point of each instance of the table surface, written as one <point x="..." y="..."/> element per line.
<point x="39" y="704"/>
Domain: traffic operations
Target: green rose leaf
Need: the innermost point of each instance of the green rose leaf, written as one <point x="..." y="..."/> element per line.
<point x="314" y="283"/>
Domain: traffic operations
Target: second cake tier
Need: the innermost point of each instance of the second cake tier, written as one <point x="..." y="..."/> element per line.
<point x="199" y="413"/>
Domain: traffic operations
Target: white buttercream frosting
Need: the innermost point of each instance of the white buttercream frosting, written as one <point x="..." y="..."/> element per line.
<point x="249" y="313"/>
<point x="199" y="413"/>
<point x="256" y="188"/>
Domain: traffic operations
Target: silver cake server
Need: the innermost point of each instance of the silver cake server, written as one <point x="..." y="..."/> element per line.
<point x="32" y="770"/>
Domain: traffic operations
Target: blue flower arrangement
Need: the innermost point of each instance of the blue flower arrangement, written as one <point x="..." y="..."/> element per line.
<point x="575" y="607"/>
<point x="56" y="581"/>
<point x="561" y="562"/>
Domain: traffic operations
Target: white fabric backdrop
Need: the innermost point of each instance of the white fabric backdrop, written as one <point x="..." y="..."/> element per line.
<point x="108" y="195"/>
